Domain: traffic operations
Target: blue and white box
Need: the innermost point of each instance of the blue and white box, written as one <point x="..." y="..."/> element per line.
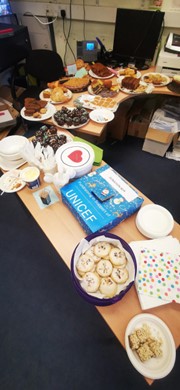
<point x="101" y="199"/>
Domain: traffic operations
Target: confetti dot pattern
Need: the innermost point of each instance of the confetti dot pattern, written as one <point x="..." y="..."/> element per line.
<point x="159" y="275"/>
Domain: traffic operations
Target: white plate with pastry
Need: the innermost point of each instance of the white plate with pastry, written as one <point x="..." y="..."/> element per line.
<point x="150" y="346"/>
<point x="11" y="181"/>
<point x="50" y="110"/>
<point x="57" y="95"/>
<point x="95" y="76"/>
<point x="129" y="72"/>
<point x="157" y="79"/>
<point x="141" y="88"/>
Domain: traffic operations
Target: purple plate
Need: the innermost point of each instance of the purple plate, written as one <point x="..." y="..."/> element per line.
<point x="104" y="301"/>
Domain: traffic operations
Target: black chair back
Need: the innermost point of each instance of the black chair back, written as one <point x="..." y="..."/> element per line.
<point x="44" y="65"/>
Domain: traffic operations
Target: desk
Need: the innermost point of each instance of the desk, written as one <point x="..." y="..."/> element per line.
<point x="97" y="130"/>
<point x="64" y="233"/>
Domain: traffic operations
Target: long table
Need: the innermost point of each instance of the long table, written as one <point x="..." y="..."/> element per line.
<point x="64" y="232"/>
<point x="97" y="130"/>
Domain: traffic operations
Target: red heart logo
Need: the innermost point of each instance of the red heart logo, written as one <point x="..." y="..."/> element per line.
<point x="76" y="156"/>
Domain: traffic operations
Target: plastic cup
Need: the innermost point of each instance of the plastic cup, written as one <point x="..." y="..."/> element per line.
<point x="31" y="175"/>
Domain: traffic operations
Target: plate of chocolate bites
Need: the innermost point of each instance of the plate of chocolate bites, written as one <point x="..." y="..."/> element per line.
<point x="132" y="85"/>
<point x="50" y="135"/>
<point x="71" y="118"/>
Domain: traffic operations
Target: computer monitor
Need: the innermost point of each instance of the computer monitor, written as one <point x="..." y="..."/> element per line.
<point x="5" y="8"/>
<point x="136" y="35"/>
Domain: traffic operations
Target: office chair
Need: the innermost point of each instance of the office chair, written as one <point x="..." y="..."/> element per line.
<point x="40" y="65"/>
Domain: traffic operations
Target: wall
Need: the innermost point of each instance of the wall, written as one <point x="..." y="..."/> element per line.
<point x="90" y="18"/>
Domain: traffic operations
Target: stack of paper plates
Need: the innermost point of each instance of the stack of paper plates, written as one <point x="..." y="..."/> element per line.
<point x="154" y="221"/>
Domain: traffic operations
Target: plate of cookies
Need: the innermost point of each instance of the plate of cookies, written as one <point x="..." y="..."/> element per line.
<point x="103" y="268"/>
<point x="37" y="110"/>
<point x="150" y="346"/>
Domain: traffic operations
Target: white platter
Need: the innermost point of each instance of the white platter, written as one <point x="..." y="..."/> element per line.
<point x="165" y="82"/>
<point x="67" y="94"/>
<point x="154" y="368"/>
<point x="95" y="76"/>
<point x="154" y="221"/>
<point x="101" y="115"/>
<point x="10" y="180"/>
<point x="87" y="100"/>
<point x="50" y="111"/>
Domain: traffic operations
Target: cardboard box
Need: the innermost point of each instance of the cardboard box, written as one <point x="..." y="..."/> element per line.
<point x="138" y="127"/>
<point x="8" y="115"/>
<point x="101" y="199"/>
<point x="160" y="134"/>
<point x="141" y="115"/>
<point x="117" y="128"/>
<point x="157" y="141"/>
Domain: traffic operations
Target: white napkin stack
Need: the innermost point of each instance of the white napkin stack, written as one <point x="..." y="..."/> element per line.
<point x="168" y="244"/>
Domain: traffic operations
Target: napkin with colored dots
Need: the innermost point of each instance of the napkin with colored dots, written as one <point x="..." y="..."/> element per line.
<point x="159" y="274"/>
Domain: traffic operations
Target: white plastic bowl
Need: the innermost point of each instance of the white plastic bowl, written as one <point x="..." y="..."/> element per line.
<point x="11" y="157"/>
<point x="12" y="145"/>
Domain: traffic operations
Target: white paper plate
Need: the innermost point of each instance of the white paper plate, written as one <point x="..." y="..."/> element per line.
<point x="165" y="82"/>
<point x="101" y="115"/>
<point x="154" y="368"/>
<point x="95" y="76"/>
<point x="11" y="146"/>
<point x="11" y="182"/>
<point x="154" y="221"/>
<point x="67" y="94"/>
<point x="50" y="111"/>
